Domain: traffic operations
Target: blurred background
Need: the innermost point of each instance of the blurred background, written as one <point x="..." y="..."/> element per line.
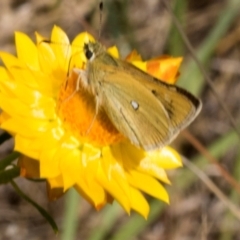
<point x="197" y="210"/>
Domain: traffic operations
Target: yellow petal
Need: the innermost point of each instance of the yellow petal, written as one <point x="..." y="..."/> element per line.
<point x="70" y="165"/>
<point x="113" y="51"/>
<point x="47" y="59"/>
<point x="50" y="151"/>
<point x="15" y="107"/>
<point x="88" y="183"/>
<point x="140" y="65"/>
<point x="29" y="96"/>
<point x="139" y="203"/>
<point x="113" y="188"/>
<point x="22" y="145"/>
<point x="4" y="117"/>
<point x="20" y="126"/>
<point x="111" y="163"/>
<point x="164" y="68"/>
<point x="11" y="61"/>
<point x="148" y="185"/>
<point x="49" y="167"/>
<point x="150" y="168"/>
<point x="61" y="47"/>
<point x="94" y="194"/>
<point x="5" y="79"/>
<point x="4" y="75"/>
<point x="131" y="155"/>
<point x="48" y="87"/>
<point x="26" y="50"/>
<point x="24" y="76"/>
<point x="166" y="158"/>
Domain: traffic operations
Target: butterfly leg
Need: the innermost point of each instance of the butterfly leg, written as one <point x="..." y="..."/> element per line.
<point x="83" y="80"/>
<point x="95" y="115"/>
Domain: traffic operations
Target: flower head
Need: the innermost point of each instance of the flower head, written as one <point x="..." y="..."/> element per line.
<point x="49" y="120"/>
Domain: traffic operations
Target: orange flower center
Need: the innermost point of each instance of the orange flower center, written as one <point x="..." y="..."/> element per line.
<point x="77" y="110"/>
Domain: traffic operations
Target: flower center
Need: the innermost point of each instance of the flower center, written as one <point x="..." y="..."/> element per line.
<point x="77" y="110"/>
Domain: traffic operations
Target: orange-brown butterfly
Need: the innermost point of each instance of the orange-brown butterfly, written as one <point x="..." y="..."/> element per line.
<point x="149" y="112"/>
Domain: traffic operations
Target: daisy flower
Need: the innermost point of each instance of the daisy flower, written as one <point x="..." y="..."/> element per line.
<point x="49" y="120"/>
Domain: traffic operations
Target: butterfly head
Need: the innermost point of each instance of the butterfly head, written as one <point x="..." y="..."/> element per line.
<point x="92" y="49"/>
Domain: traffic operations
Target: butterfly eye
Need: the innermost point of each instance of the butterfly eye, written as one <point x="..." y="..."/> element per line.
<point x="88" y="54"/>
<point x="88" y="50"/>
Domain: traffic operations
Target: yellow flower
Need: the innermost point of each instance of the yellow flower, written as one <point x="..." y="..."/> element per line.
<point x="49" y="121"/>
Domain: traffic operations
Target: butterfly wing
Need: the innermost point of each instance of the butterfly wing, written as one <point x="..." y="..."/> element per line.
<point x="181" y="106"/>
<point x="138" y="118"/>
<point x="148" y="112"/>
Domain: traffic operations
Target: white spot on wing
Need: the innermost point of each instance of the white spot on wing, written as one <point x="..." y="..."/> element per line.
<point x="135" y="105"/>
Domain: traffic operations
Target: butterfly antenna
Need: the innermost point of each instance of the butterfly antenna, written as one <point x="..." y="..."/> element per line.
<point x="100" y="19"/>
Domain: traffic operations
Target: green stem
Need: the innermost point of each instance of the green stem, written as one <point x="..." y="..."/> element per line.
<point x="70" y="222"/>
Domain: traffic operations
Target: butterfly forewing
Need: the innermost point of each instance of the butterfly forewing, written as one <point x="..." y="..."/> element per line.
<point x="130" y="112"/>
